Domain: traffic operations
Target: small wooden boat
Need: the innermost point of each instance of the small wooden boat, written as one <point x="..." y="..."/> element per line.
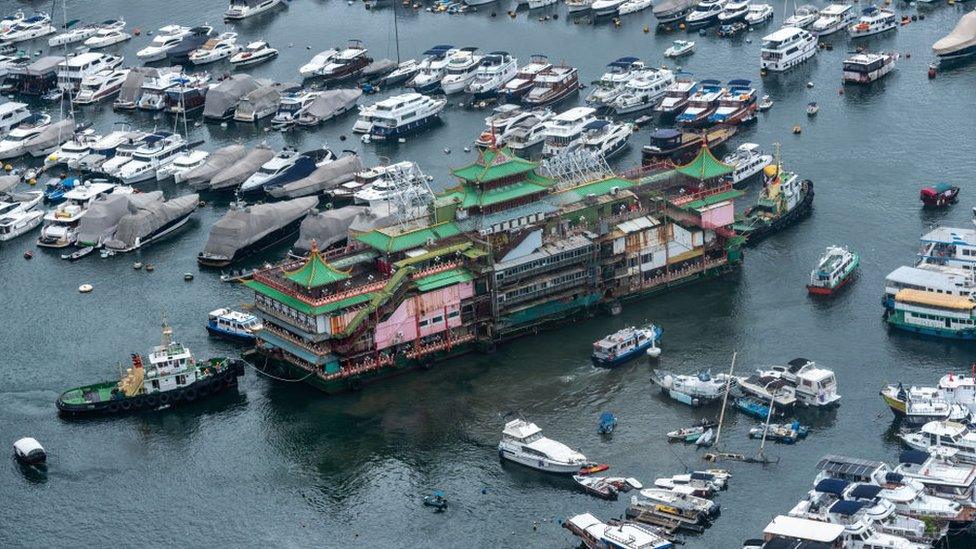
<point x="596" y="486"/>
<point x="939" y="195"/>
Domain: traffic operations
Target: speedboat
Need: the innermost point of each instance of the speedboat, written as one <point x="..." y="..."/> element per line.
<point x="522" y="442"/>
<point x="705" y="13"/>
<point x="735" y="10"/>
<point x="166" y="39"/>
<point x="35" y="26"/>
<point x="181" y="164"/>
<point x="101" y="85"/>
<point x="496" y="69"/>
<point x="873" y="21"/>
<point x="803" y="17"/>
<point x="517" y="87"/>
<point x="614" y="81"/>
<point x="679" y="48"/>
<point x="461" y="69"/>
<point x="606" y="138"/>
<point x="215" y="49"/>
<point x="748" y="161"/>
<point x="736" y="105"/>
<point x="348" y="63"/>
<point x="242" y="9"/>
<point x="15" y="143"/>
<point x="233" y="325"/>
<point x="758" y="14"/>
<point x="693" y="390"/>
<point x="564" y="132"/>
<point x="253" y="53"/>
<point x="606" y="7"/>
<point x="701" y="104"/>
<point x="676" y="96"/>
<point x="552" y="85"/>
<point x="833" y="18"/>
<point x="625" y="344"/>
<point x="643" y="91"/>
<point x="528" y="132"/>
<point x="107" y="36"/>
<point x="12" y="114"/>
<point x="431" y="71"/>
<point x="318" y="62"/>
<point x="158" y="150"/>
<point x="403" y="115"/>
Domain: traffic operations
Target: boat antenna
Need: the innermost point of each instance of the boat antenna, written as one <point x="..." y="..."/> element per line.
<point x="725" y="399"/>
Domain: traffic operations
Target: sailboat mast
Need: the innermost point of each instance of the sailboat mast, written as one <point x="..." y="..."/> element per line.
<point x="396" y="31"/>
<point x="769" y="415"/>
<point x="725" y="399"/>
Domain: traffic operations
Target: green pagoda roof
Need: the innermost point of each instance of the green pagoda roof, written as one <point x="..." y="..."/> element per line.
<point x="315" y="272"/>
<point x="705" y="166"/>
<point x="304" y="307"/>
<point x="392" y="239"/>
<point x="446" y="278"/>
<point x="493" y="164"/>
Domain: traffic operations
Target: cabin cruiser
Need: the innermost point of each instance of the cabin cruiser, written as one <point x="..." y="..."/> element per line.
<point x="8" y="21"/>
<point x="215" y="49"/>
<point x="502" y="119"/>
<point x="73" y="150"/>
<point x="403" y="114"/>
<point x="122" y="154"/>
<point x="403" y="72"/>
<point x="735" y="10"/>
<point x="74" y="69"/>
<point x="318" y="62"/>
<point x="101" y="85"/>
<point x="643" y="91"/>
<point x="768" y="388"/>
<point x="676" y="96"/>
<point x="705" y="13"/>
<point x="61" y="224"/>
<point x="383" y="184"/>
<point x="952" y="389"/>
<point x="253" y="53"/>
<point x="496" y="69"/>
<point x="524" y="79"/>
<point x="920" y="405"/>
<point x="833" y="18"/>
<point x="528" y="132"/>
<point x="864" y="68"/>
<point x="624" y="535"/>
<point x="701" y="104"/>
<point x="189" y="93"/>
<point x="787" y="48"/>
<point x="564" y="132"/>
<point x="166" y="39"/>
<point x="736" y="105"/>
<point x="935" y="435"/>
<point x="242" y="9"/>
<point x="103" y="149"/>
<point x="552" y="85"/>
<point x="693" y="390"/>
<point x="182" y="163"/>
<point x="108" y="35"/>
<point x="758" y="14"/>
<point x="292" y="106"/>
<point x="748" y="161"/>
<point x="155" y="86"/>
<point x="960" y="43"/>
<point x="15" y="143"/>
<point x="431" y="69"/>
<point x="15" y="220"/>
<point x="606" y="138"/>
<point x="70" y="36"/>
<point x="669" y="11"/>
<point x="522" y="442"/>
<point x="461" y="69"/>
<point x="35" y="26"/>
<point x="12" y="114"/>
<point x="873" y="21"/>
<point x="803" y="17"/>
<point x="612" y="83"/>
<point x="346" y="64"/>
<point x="157" y="150"/>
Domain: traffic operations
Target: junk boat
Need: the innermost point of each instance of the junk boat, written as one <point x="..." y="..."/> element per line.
<point x="693" y="390"/>
<point x="172" y="377"/>
<point x="233" y="325"/>
<point x="864" y="68"/>
<point x="625" y="344"/>
<point x="785" y="200"/>
<point x="522" y="442"/>
<point x="939" y="195"/>
<point x="835" y="269"/>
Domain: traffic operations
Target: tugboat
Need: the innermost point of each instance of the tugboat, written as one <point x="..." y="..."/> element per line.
<point x="785" y="199"/>
<point x="625" y="344"/>
<point x="173" y="377"/>
<point x="836" y="268"/>
<point x="939" y="195"/>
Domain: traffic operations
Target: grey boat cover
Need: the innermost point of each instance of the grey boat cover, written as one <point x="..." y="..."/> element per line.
<point x="8" y="182"/>
<point x="374" y="218"/>
<point x="671" y="6"/>
<point x="227" y="94"/>
<point x="199" y="178"/>
<point x="263" y="98"/>
<point x="323" y="178"/>
<point x="51" y="136"/>
<point x="105" y="212"/>
<point x="326" y="228"/>
<point x="332" y="101"/>
<point x="379" y="67"/>
<point x="132" y="87"/>
<point x="237" y="173"/>
<point x="42" y="66"/>
<point x="149" y="219"/>
<point x="241" y="227"/>
<point x="961" y="37"/>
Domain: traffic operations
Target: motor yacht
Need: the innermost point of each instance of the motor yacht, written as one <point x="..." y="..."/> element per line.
<point x="103" y="149"/>
<point x="73" y="70"/>
<point x="643" y="91"/>
<point x="189" y="93"/>
<point x="496" y="69"/>
<point x="701" y="104"/>
<point x="318" y="62"/>
<point x="242" y="9"/>
<point x="603" y="8"/>
<point x="108" y="36"/>
<point x="736" y="105"/>
<point x="460" y="71"/>
<point x="502" y="118"/>
<point x="166" y="39"/>
<point x="552" y="85"/>
<point x="705" y="14"/>
<point x="432" y="69"/>
<point x="32" y="27"/>
<point x="73" y="35"/>
<point x="670" y="11"/>
<point x="61" y="224"/>
<point x="182" y="163"/>
<point x="605" y="138"/>
<point x="613" y="81"/>
<point x="803" y="17"/>
<point x="383" y="184"/>
<point x="735" y="10"/>
<point x="346" y="64"/>
<point x="873" y="21"/>
<point x="215" y="49"/>
<point x="154" y="88"/>
<point x="564" y="132"/>
<point x="943" y="434"/>
<point x="528" y="132"/>
<point x="758" y="14"/>
<point x="748" y="161"/>
<point x="253" y="53"/>
<point x="73" y="150"/>
<point x="787" y="48"/>
<point x="403" y="115"/>
<point x="277" y="165"/>
<point x="522" y="442"/>
<point x="676" y="96"/>
<point x="292" y="106"/>
<point x="517" y="87"/>
<point x="833" y="18"/>
<point x="12" y="113"/>
<point x="16" y="221"/>
<point x="15" y="143"/>
<point x="104" y="84"/>
<point x="157" y="150"/>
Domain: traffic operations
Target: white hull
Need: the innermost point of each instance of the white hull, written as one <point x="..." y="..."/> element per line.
<point x="239" y="14"/>
<point x="96" y="44"/>
<point x="541" y="464"/>
<point x="28" y="222"/>
<point x="781" y="65"/>
<point x="870" y="32"/>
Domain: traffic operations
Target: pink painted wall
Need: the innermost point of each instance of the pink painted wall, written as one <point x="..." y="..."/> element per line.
<point x="719" y="215"/>
<point x="403" y="323"/>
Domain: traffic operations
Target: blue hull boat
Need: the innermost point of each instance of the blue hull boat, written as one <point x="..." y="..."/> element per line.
<point x="624" y="345"/>
<point x="380" y="133"/>
<point x="752" y="408"/>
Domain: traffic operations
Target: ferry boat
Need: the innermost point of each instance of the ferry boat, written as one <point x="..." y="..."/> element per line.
<point x="873" y="21"/>
<point x="949" y="246"/>
<point x="836" y="268"/>
<point x="107" y="36"/>
<point x="516" y="88"/>
<point x="643" y="91"/>
<point x="833" y="18"/>
<point x="522" y="442"/>
<point x="787" y="48"/>
<point x="605" y="138"/>
<point x="705" y="14"/>
<point x="496" y="69"/>
<point x="785" y="200"/>
<point x="552" y="85"/>
<point x="252" y="54"/>
<point x="623" y="535"/>
<point x="233" y="325"/>
<point x="431" y="69"/>
<point x="172" y="377"/>
<point x="564" y="132"/>
<point x="735" y="10"/>
<point x="403" y="115"/>
<point x="100" y="86"/>
<point x="943" y="434"/>
<point x="748" y="161"/>
<point x="625" y="344"/>
<point x="61" y="224"/>
<point x="612" y="83"/>
<point x="215" y="49"/>
<point x="242" y="9"/>
<point x="931" y="314"/>
<point x="157" y="151"/>
<point x="462" y="67"/>
<point x="939" y="195"/>
<point x="679" y="146"/>
<point x="693" y="390"/>
<point x="803" y="17"/>
<point x="676" y="96"/>
<point x="166" y="39"/>
<point x="736" y="105"/>
<point x="864" y="68"/>
<point x="701" y="104"/>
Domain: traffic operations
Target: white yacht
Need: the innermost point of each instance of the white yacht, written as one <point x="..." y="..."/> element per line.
<point x="833" y="18"/>
<point x="74" y="69"/>
<point x="943" y="434"/>
<point x="12" y="114"/>
<point x="215" y="49"/>
<point x="277" y="165"/>
<point x="35" y="26"/>
<point x="528" y="132"/>
<point x="101" y="85"/>
<point x="815" y="386"/>
<point x="866" y="67"/>
<point x="705" y="13"/>
<point x="693" y="390"/>
<point x="381" y="186"/>
<point x="758" y="14"/>
<point x="643" y="91"/>
<point x="606" y="138"/>
<point x="122" y="154"/>
<point x="873" y="21"/>
<point x="606" y="7"/>
<point x="253" y="53"/>
<point x="786" y="48"/>
<point x="613" y="81"/>
<point x="154" y="88"/>
<point x="318" y="62"/>
<point x="619" y="535"/>
<point x="73" y="150"/>
<point x="461" y="70"/>
<point x="749" y="161"/>
<point x="15" y="143"/>
<point x="15" y="220"/>
<point x="676" y="96"/>
<point x="564" y="132"/>
<point x="61" y="223"/>
<point x="522" y="442"/>
<point x="181" y="164"/>
<point x="403" y="114"/>
<point x="292" y="106"/>
<point x="242" y="9"/>
<point x="735" y="10"/>
<point x="107" y="36"/>
<point x="496" y="69"/>
<point x="8" y="21"/>
<point x="166" y="38"/>
<point x="502" y="118"/>
<point x="432" y="67"/>
<point x="157" y="151"/>
<point x="803" y="17"/>
<point x="103" y="149"/>
<point x="524" y="79"/>
<point x="941" y="474"/>
<point x="76" y="34"/>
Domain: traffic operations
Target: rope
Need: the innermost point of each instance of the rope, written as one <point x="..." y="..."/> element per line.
<point x="262" y="372"/>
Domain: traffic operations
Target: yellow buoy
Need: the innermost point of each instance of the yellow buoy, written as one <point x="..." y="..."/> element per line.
<point x="770" y="170"/>
<point x="646" y="29"/>
<point x="7" y="167"/>
<point x="32" y="181"/>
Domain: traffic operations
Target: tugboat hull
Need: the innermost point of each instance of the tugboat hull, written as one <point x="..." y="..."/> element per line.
<point x="801" y="211"/>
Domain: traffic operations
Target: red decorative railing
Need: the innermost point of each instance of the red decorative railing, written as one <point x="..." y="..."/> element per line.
<point x="686" y="198"/>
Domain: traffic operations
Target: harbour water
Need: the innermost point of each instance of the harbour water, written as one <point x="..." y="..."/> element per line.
<point x="281" y="464"/>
